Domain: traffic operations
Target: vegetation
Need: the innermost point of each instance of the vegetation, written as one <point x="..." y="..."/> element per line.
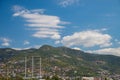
<point x="61" y="61"/>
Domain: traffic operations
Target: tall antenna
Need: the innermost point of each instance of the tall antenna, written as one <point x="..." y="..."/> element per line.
<point x="25" y="67"/>
<point x="40" y="68"/>
<point x="32" y="67"/>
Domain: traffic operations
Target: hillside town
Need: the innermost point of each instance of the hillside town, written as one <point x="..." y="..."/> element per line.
<point x="26" y="71"/>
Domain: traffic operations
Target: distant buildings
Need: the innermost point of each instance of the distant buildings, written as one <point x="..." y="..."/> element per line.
<point x="91" y="78"/>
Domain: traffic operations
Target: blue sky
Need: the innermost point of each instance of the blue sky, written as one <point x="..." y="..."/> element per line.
<point x="88" y="25"/>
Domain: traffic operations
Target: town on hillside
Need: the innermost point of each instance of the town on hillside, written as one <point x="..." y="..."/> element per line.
<point x="25" y="70"/>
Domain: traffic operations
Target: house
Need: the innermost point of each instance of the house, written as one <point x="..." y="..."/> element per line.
<point x="91" y="78"/>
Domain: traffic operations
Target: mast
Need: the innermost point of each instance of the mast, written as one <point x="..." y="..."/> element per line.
<point x="40" y="68"/>
<point x="32" y="67"/>
<point x="25" y="67"/>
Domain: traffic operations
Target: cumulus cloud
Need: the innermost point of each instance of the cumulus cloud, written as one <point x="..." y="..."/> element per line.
<point x="46" y="26"/>
<point x="6" y="42"/>
<point x="107" y="51"/>
<point x="65" y="3"/>
<point x="89" y="38"/>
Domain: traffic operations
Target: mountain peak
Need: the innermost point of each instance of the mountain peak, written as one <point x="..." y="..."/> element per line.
<point x="46" y="47"/>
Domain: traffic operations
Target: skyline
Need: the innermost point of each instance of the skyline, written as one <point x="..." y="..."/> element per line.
<point x="92" y="26"/>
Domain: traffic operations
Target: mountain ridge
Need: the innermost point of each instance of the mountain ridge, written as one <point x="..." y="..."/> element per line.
<point x="66" y="59"/>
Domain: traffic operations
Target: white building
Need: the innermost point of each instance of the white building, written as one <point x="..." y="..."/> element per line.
<point x="91" y="78"/>
<point x="87" y="78"/>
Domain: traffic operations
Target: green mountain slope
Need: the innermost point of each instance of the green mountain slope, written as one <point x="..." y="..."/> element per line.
<point x="63" y="61"/>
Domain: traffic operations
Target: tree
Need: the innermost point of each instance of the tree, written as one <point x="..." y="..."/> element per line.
<point x="55" y="77"/>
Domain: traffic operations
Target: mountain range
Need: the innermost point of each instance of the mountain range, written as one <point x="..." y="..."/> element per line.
<point x="63" y="60"/>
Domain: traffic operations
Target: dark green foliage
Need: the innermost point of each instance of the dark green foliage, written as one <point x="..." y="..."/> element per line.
<point x="55" y="77"/>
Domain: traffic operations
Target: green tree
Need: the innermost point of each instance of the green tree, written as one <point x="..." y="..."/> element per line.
<point x="55" y="78"/>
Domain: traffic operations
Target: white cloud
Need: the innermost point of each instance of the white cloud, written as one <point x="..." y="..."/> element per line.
<point x="65" y="3"/>
<point x="76" y="48"/>
<point x="89" y="38"/>
<point x="21" y="48"/>
<point x="6" y="42"/>
<point x="26" y="42"/>
<point x="46" y="26"/>
<point x="35" y="46"/>
<point x="107" y="51"/>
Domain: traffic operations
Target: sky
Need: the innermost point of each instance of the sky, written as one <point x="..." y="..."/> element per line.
<point x="89" y="25"/>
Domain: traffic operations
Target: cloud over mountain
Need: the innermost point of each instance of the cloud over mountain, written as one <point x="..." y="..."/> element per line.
<point x="108" y="51"/>
<point x="89" y="38"/>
